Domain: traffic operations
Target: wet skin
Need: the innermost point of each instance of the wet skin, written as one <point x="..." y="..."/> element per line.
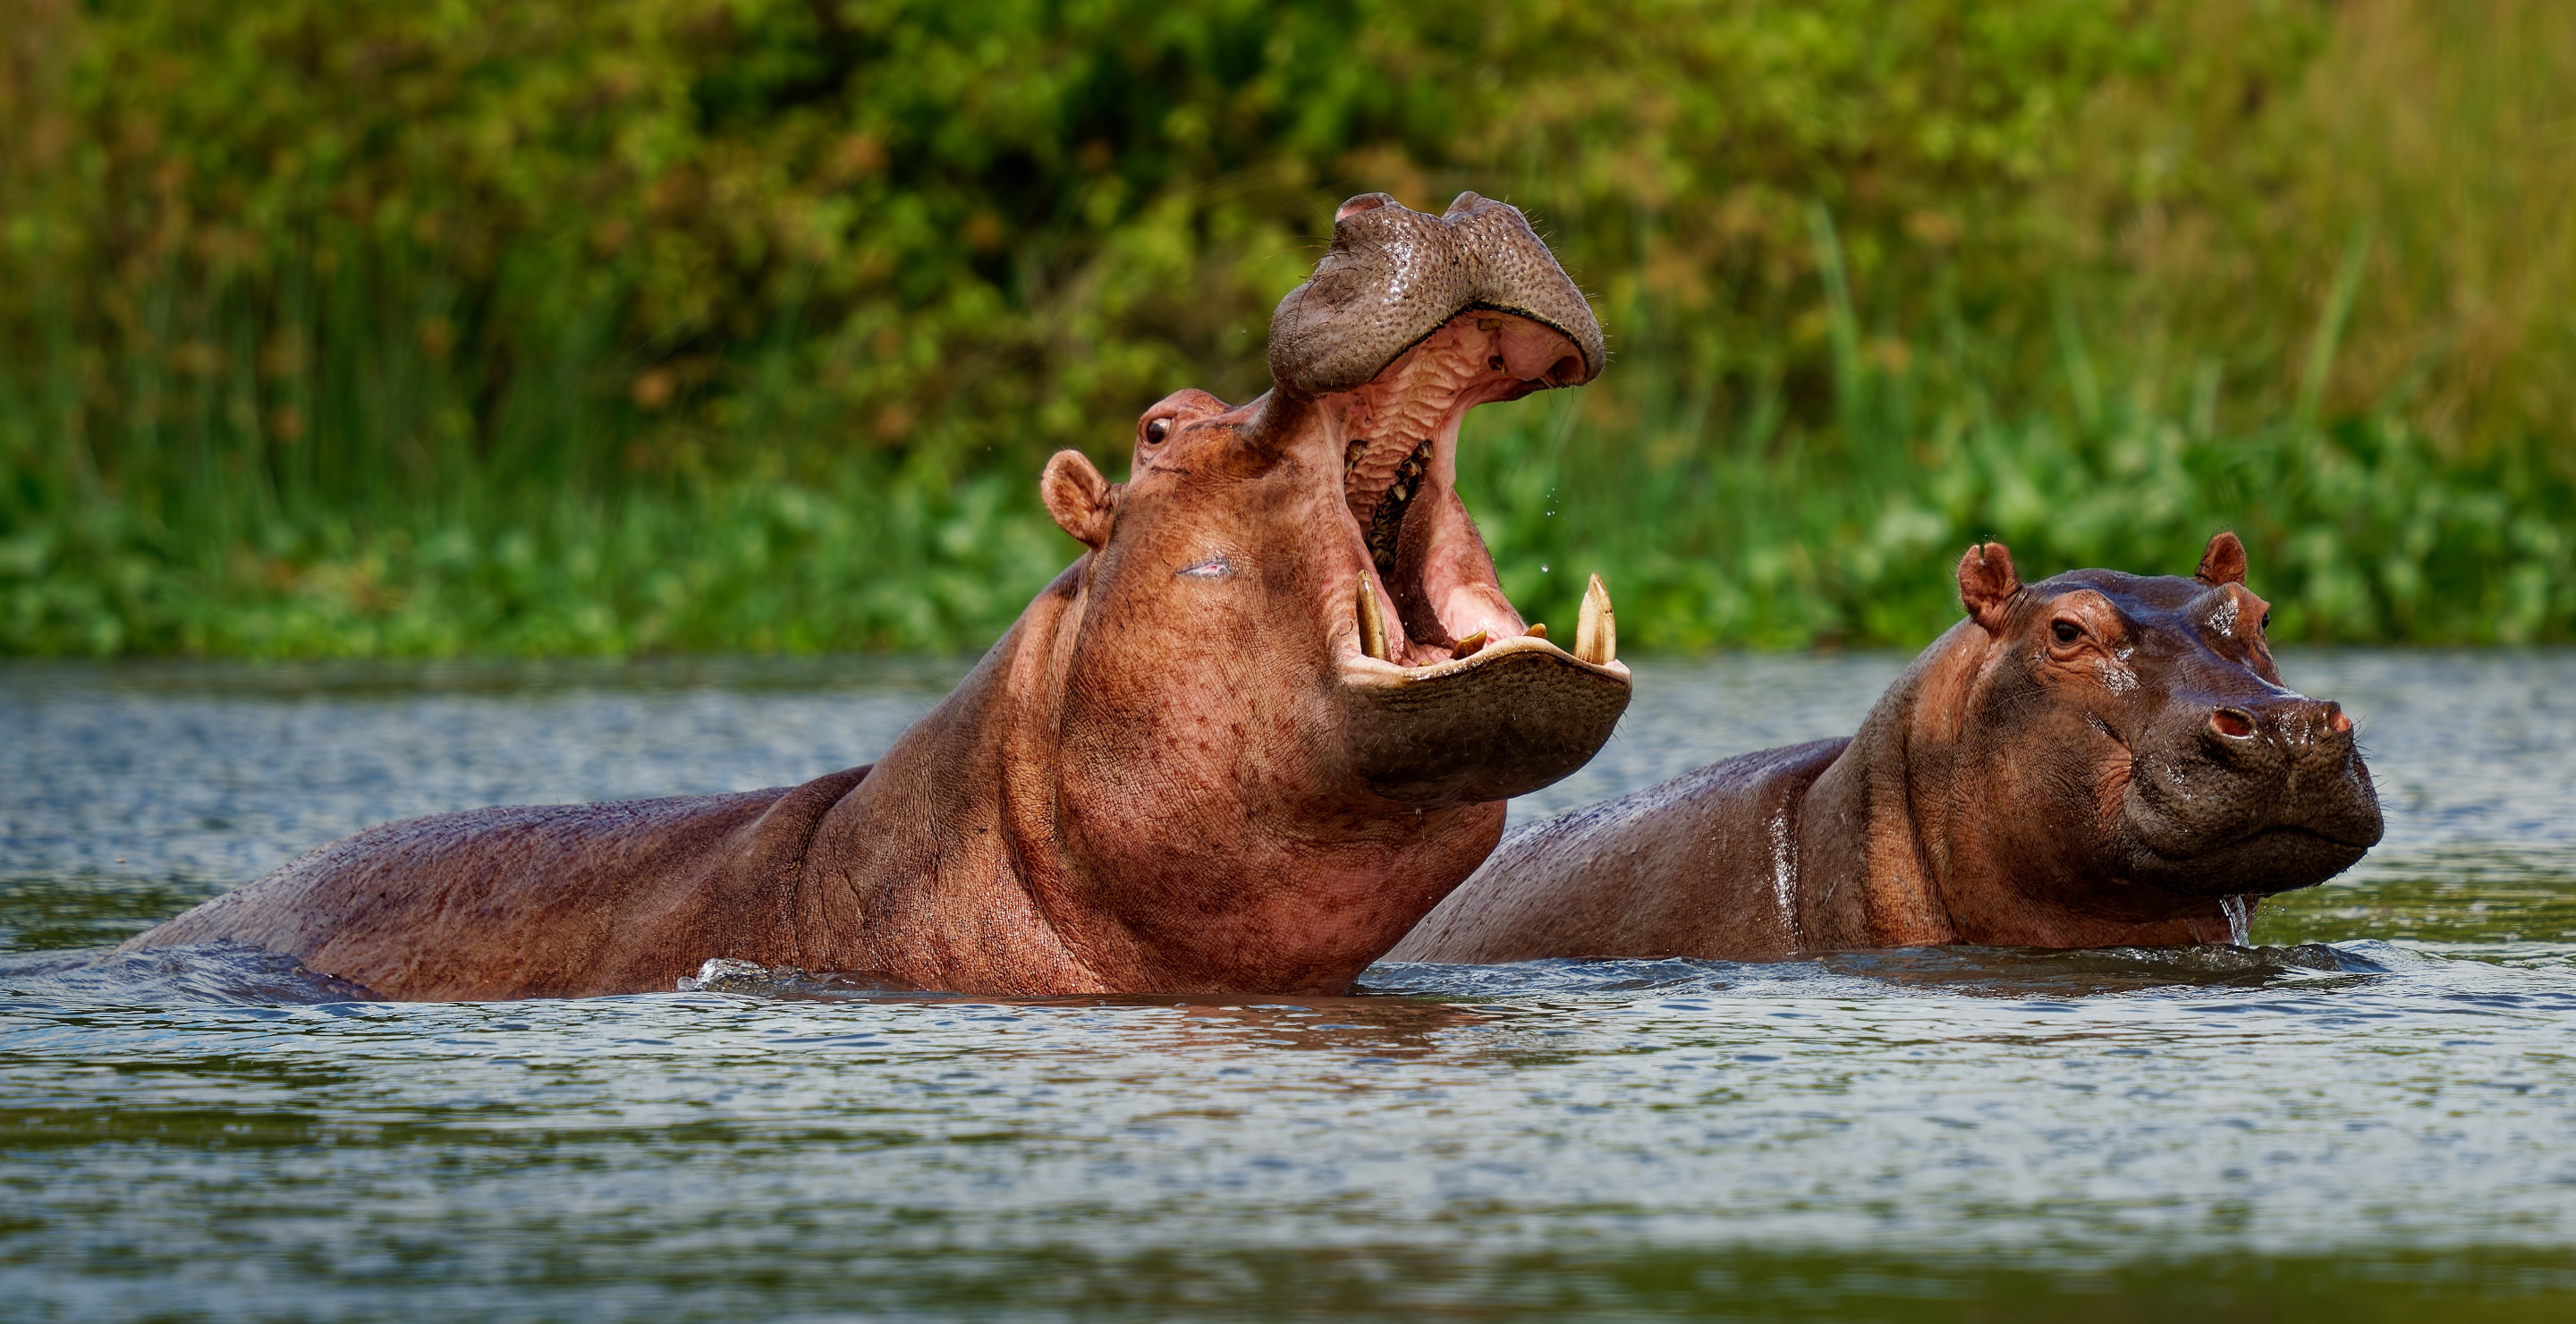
<point x="1243" y="743"/>
<point x="2100" y="759"/>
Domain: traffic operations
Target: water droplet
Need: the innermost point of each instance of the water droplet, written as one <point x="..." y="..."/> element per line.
<point x="1542" y="567"/>
<point x="2240" y="919"/>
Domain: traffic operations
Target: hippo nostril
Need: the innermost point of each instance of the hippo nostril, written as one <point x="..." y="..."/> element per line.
<point x="1364" y="202"/>
<point x="2233" y="723"/>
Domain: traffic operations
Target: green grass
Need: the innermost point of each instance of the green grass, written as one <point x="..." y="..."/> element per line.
<point x="1717" y="531"/>
<point x="374" y="525"/>
<point x="376" y="529"/>
<point x="1711" y="531"/>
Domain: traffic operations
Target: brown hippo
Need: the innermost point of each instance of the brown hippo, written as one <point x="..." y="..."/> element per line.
<point x="2098" y="759"/>
<point x="1259" y="727"/>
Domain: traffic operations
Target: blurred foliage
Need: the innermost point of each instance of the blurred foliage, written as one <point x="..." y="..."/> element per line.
<point x="419" y="328"/>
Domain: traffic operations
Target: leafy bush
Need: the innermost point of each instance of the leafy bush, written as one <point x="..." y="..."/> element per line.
<point x="373" y="327"/>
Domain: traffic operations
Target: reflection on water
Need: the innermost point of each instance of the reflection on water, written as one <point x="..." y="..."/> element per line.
<point x="2368" y="1117"/>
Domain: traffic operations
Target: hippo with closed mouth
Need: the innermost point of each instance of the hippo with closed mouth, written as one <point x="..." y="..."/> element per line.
<point x="1261" y="724"/>
<point x="2099" y="759"/>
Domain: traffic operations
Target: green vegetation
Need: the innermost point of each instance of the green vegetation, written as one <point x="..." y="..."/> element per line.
<point x="375" y="328"/>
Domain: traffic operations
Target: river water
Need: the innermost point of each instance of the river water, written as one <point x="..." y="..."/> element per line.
<point x="2372" y="1117"/>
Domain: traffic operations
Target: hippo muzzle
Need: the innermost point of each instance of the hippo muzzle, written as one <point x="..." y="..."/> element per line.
<point x="1410" y="320"/>
<point x="2250" y="794"/>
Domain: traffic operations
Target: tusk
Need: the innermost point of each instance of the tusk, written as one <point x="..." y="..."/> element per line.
<point x="1538" y="630"/>
<point x="1596" y="636"/>
<point x="1372" y="623"/>
<point x="1467" y="645"/>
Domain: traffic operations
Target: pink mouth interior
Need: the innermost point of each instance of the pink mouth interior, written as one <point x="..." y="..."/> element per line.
<point x="1399" y="441"/>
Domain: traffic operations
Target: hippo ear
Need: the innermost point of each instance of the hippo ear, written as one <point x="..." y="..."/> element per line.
<point x="2223" y="562"/>
<point x="1987" y="584"/>
<point x="1080" y="499"/>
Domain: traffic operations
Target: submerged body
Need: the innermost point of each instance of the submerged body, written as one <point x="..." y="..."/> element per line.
<point x="1220" y="752"/>
<point x="2097" y="760"/>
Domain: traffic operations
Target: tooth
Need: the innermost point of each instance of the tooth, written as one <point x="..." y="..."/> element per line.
<point x="1372" y="623"/>
<point x="1596" y="636"/>
<point x="1468" y="645"/>
<point x="1538" y="630"/>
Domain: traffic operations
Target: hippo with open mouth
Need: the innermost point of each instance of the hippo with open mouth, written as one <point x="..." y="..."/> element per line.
<point x="1257" y="729"/>
<point x="2096" y="760"/>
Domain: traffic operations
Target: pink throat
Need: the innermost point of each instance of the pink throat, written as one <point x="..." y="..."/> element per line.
<point x="1398" y="441"/>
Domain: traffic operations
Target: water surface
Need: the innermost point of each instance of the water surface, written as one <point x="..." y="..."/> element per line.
<point x="2373" y="1117"/>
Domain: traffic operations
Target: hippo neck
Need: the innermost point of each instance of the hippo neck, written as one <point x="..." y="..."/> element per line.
<point x="1868" y="880"/>
<point x="923" y="865"/>
<point x="1160" y="867"/>
<point x="970" y="825"/>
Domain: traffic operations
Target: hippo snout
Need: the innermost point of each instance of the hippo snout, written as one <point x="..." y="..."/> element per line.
<point x="2287" y="743"/>
<point x="2312" y="756"/>
<point x="2255" y="796"/>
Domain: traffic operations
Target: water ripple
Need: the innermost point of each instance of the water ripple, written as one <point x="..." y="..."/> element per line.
<point x="2376" y="1104"/>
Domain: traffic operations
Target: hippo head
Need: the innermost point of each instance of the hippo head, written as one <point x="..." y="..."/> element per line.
<point x="1285" y="693"/>
<point x="2135" y="730"/>
<point x="1291" y="592"/>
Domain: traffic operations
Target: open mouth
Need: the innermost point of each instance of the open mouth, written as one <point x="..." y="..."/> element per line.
<point x="1453" y="694"/>
<point x="1409" y="321"/>
<point x="1428" y="594"/>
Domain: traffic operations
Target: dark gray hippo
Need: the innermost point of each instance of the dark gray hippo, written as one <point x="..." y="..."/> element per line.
<point x="2099" y="759"/>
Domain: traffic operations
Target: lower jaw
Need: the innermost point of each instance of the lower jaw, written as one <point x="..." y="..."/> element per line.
<point x="1503" y="721"/>
<point x="2212" y="880"/>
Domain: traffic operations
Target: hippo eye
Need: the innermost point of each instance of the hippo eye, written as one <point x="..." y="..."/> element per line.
<point x="1157" y="430"/>
<point x="2265" y="625"/>
<point x="2067" y="631"/>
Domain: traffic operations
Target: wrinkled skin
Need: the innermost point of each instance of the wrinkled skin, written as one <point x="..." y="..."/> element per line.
<point x="2100" y="759"/>
<point x="1182" y="770"/>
